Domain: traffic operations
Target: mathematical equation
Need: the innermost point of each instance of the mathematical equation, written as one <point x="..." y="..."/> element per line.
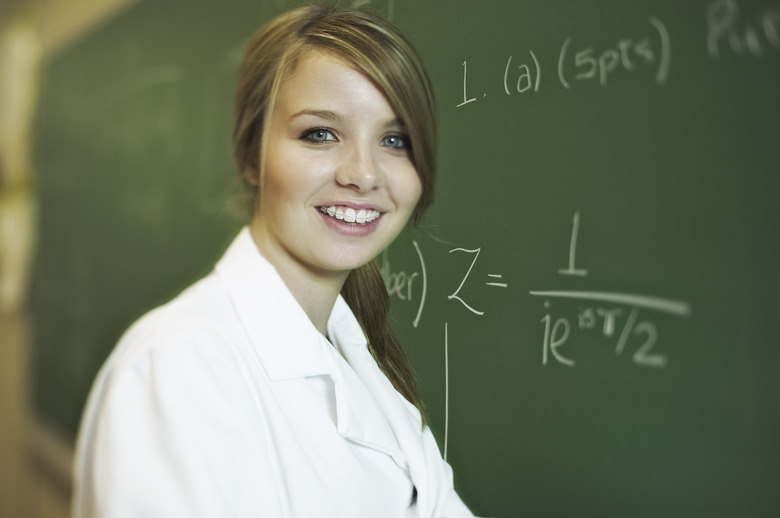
<point x="618" y="318"/>
<point x="404" y="285"/>
<point x="603" y="313"/>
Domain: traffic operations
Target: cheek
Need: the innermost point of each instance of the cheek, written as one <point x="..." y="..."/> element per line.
<point x="277" y="183"/>
<point x="408" y="189"/>
<point x="286" y="176"/>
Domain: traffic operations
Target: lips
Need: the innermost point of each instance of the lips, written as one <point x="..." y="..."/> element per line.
<point x="350" y="215"/>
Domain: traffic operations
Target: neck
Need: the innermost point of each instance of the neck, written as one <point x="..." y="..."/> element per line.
<point x="315" y="291"/>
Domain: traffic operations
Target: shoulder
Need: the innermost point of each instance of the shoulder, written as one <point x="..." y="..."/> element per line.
<point x="196" y="331"/>
<point x="172" y="412"/>
<point x="181" y="362"/>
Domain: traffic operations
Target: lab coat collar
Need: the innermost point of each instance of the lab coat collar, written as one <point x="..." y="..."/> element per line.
<point x="293" y="348"/>
<point x="289" y="349"/>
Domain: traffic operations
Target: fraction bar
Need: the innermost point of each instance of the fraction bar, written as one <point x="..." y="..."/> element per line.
<point x="675" y="307"/>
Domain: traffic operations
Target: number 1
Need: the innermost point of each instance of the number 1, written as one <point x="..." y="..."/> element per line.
<point x="465" y="100"/>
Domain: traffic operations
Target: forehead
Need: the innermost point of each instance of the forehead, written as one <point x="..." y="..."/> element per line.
<point x="324" y="81"/>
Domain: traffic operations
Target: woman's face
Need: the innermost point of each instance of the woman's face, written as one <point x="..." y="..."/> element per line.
<point x="339" y="183"/>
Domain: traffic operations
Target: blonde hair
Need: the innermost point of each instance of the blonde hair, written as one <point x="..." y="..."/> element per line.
<point x="379" y="51"/>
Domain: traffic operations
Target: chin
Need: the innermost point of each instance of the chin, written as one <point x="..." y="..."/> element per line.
<point x="351" y="262"/>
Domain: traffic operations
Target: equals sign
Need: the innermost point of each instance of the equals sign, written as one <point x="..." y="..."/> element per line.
<point x="496" y="283"/>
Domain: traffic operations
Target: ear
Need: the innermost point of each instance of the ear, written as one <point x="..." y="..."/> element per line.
<point x="251" y="176"/>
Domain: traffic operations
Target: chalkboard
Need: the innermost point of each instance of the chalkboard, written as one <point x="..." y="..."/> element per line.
<point x="590" y="303"/>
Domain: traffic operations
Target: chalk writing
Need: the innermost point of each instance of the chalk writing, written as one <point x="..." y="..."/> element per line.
<point x="460" y="286"/>
<point x="621" y="319"/>
<point x="554" y="338"/>
<point x="604" y="316"/>
<point x="406" y="286"/>
<point x="446" y="389"/>
<point x="626" y="55"/>
<point x="466" y="98"/>
<point x="673" y="307"/>
<point x="572" y="269"/>
<point x="743" y="35"/>
<point x="527" y="79"/>
<point x="491" y="276"/>
<point x="495" y="283"/>
<point x="587" y="64"/>
<point x="604" y="320"/>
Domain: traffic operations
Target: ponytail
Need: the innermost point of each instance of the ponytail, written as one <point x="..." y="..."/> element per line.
<point x="365" y="292"/>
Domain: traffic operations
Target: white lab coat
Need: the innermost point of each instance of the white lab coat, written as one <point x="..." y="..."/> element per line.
<point x="227" y="402"/>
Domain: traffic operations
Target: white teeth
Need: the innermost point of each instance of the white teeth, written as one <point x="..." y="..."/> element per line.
<point x="350" y="215"/>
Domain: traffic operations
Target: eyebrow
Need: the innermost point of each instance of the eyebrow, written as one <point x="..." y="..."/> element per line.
<point x="322" y="114"/>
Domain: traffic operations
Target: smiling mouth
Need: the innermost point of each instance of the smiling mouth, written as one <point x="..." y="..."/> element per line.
<point x="350" y="215"/>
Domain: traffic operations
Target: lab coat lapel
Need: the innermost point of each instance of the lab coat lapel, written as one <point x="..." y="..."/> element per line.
<point x="286" y="342"/>
<point x="403" y="417"/>
<point x="289" y="346"/>
<point x="360" y="416"/>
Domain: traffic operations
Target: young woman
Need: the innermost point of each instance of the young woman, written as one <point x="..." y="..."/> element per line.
<point x="274" y="387"/>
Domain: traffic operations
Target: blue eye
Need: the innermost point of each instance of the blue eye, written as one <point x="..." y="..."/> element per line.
<point x="396" y="142"/>
<point x="318" y="135"/>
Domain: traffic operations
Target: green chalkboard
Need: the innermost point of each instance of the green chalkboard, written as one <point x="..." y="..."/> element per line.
<point x="590" y="304"/>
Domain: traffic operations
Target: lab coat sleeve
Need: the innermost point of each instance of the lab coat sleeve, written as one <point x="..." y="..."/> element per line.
<point x="167" y="436"/>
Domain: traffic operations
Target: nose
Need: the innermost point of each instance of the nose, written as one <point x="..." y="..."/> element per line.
<point x="360" y="170"/>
